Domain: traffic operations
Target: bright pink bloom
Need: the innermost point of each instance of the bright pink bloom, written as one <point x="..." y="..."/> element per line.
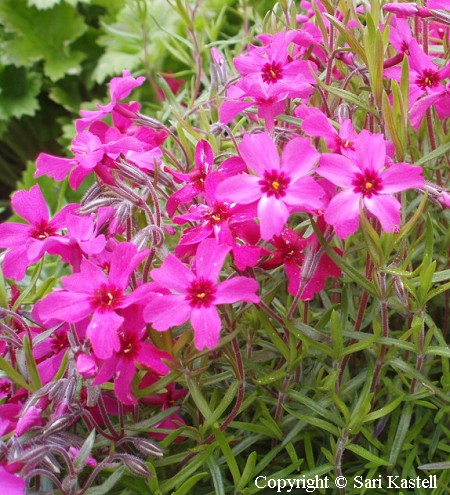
<point x="440" y="100"/>
<point x="93" y="292"/>
<point x="280" y="187"/>
<point x="195" y="294"/>
<point x="204" y="159"/>
<point x="290" y="251"/>
<point x="274" y="64"/>
<point x="316" y="124"/>
<point x="424" y="76"/>
<point x="119" y="88"/>
<point x="366" y="183"/>
<point x="133" y="349"/>
<point x="269" y="98"/>
<point x="95" y="150"/>
<point x="28" y="243"/>
<point x="223" y="220"/>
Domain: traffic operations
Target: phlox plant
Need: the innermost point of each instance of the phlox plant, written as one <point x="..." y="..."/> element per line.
<point x="254" y="281"/>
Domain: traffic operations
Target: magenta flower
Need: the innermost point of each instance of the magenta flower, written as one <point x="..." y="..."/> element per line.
<point x="95" y="150"/>
<point x="274" y="63"/>
<point x="316" y="124"/>
<point x="93" y="292"/>
<point x="133" y="349"/>
<point x="280" y="187"/>
<point x="119" y="88"/>
<point x="204" y="159"/>
<point x="290" y="251"/>
<point x="424" y="76"/>
<point x="366" y="184"/>
<point x="195" y="294"/>
<point x="28" y="243"/>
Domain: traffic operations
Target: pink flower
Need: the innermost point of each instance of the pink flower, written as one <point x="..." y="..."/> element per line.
<point x="366" y="184"/>
<point x="204" y="159"/>
<point x="28" y="243"/>
<point x="133" y="349"/>
<point x="440" y="100"/>
<point x="93" y="292"/>
<point x="290" y="251"/>
<point x="195" y="294"/>
<point x="424" y="75"/>
<point x="280" y="186"/>
<point x="316" y="124"/>
<point x="119" y="88"/>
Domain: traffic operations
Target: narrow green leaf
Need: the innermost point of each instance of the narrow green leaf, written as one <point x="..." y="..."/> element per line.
<point x="400" y="434"/>
<point x="385" y="410"/>
<point x="362" y="452"/>
<point x="186" y="487"/>
<point x="14" y="375"/>
<point x="224" y="403"/>
<point x="349" y="38"/>
<point x="228" y="454"/>
<point x="107" y="486"/>
<point x="317" y="422"/>
<point x="33" y="372"/>
<point x="443" y="149"/>
<point x="198" y="397"/>
<point x="248" y="473"/>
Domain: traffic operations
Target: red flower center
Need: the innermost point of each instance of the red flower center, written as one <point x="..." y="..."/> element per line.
<point x="272" y="72"/>
<point x="198" y="177"/>
<point x="219" y="213"/>
<point x="274" y="183"/>
<point x="428" y="79"/>
<point x="41" y="230"/>
<point x="59" y="341"/>
<point x="368" y="183"/>
<point x="201" y="293"/>
<point x="106" y="298"/>
<point x="128" y="346"/>
<point x="345" y="143"/>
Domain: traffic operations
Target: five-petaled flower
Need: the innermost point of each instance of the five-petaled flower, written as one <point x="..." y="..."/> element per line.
<point x="196" y="293"/>
<point x="366" y="184"/>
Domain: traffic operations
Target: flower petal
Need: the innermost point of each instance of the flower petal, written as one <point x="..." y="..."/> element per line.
<point x="338" y="169"/>
<point x="242" y="188"/>
<point x="305" y="194"/>
<point x="299" y="158"/>
<point x="151" y="357"/>
<point x="343" y="213"/>
<point x="237" y="289"/>
<point x="173" y="274"/>
<point x="210" y="258"/>
<point x="386" y="209"/>
<point x="273" y="215"/>
<point x="401" y="176"/>
<point x="102" y="332"/>
<point x="206" y="324"/>
<point x="64" y="306"/>
<point x="165" y="312"/>
<point x="370" y="151"/>
<point x="259" y="152"/>
<point x="30" y="205"/>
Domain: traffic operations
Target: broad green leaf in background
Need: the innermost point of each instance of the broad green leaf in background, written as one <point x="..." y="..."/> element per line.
<point x="19" y="92"/>
<point x="45" y="35"/>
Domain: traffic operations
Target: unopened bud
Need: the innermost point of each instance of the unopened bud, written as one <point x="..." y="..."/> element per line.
<point x="135" y="465"/>
<point x="342" y="112"/>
